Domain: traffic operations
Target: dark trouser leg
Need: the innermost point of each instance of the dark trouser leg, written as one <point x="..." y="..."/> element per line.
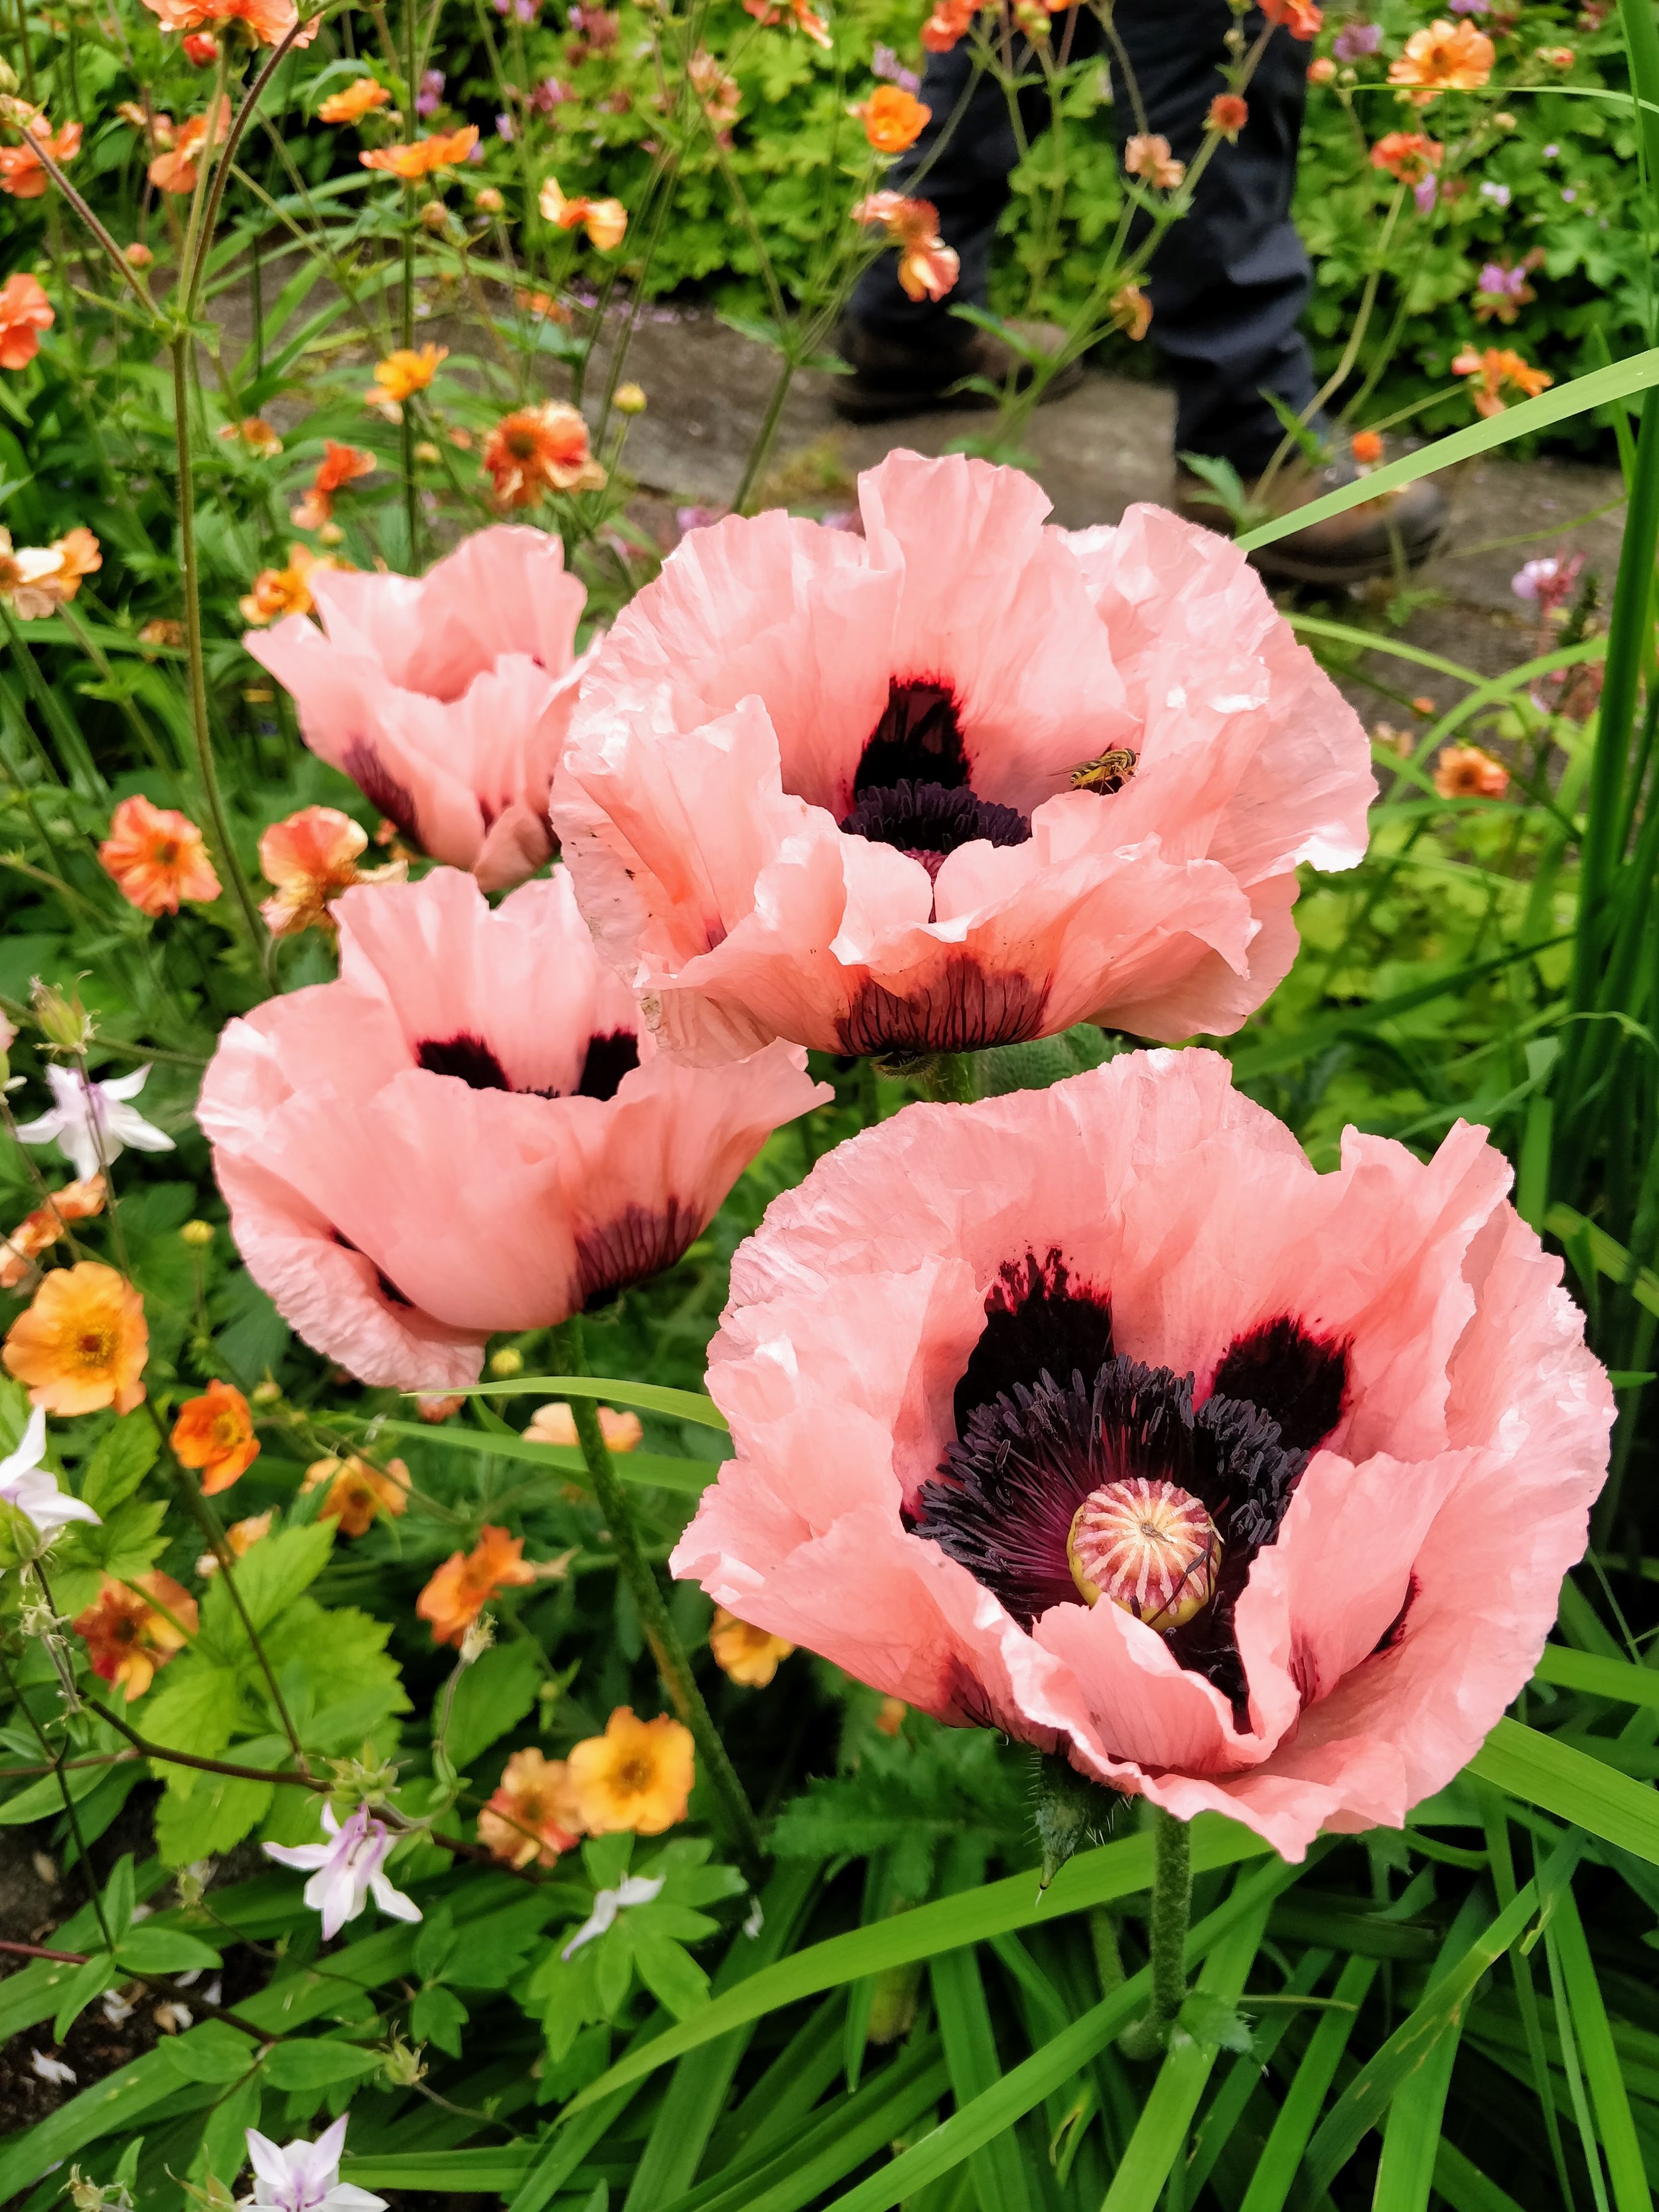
<point x="1229" y="282"/>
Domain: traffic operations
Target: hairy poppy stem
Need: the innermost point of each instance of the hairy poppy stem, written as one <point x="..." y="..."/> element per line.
<point x="952" y="1078"/>
<point x="1171" y="1909"/>
<point x="673" y="1661"/>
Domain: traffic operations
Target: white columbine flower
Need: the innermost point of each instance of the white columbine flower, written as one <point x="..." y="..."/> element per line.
<point x="33" y="1489"/>
<point x="347" y="1872"/>
<point x="303" y="2177"/>
<point x="92" y="1123"/>
<point x="632" y="1889"/>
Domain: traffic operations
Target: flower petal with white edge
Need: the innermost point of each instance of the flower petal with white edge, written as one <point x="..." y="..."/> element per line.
<point x="33" y="1489"/>
<point x="92" y="1123"/>
<point x="632" y="1889"/>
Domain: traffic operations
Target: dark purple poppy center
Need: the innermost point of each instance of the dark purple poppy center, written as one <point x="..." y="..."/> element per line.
<point x="912" y="788"/>
<point x="1051" y="1421"/>
<point x="609" y="1057"/>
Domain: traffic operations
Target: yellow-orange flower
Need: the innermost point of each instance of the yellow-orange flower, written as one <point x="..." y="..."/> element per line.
<point x="80" y="555"/>
<point x="215" y="1434"/>
<point x="948" y="24"/>
<point x="257" y="434"/>
<point x="636" y="1777"/>
<point x="1147" y="156"/>
<point x="890" y="1718"/>
<point x="175" y="170"/>
<point x="357" y="1491"/>
<point x="134" y="1628"/>
<point x="1557" y="57"/>
<point x="604" y="220"/>
<point x="339" y="467"/>
<point x="1132" y="311"/>
<point x="156" y="857"/>
<point x="1445" y="58"/>
<point x="38" y="1232"/>
<point x="1494" y="371"/>
<point x="402" y="374"/>
<point x="1299" y="17"/>
<point x="268" y="22"/>
<point x="749" y="1655"/>
<point x="927" y="267"/>
<point x="22" y="172"/>
<point x="460" y="1589"/>
<point x="892" y="118"/>
<point x="359" y="98"/>
<point x="25" y="311"/>
<point x="442" y="150"/>
<point x="532" y="1816"/>
<point x="282" y="590"/>
<point x="239" y="1538"/>
<point x="82" y="1343"/>
<point x="1469" y="772"/>
<point x="538" y="450"/>
<point x="311" y="857"/>
<point x="543" y="304"/>
<point x="1410" y="155"/>
<point x="556" y="1424"/>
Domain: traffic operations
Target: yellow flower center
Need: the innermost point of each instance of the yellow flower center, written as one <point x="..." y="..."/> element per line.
<point x="635" y="1776"/>
<point x="94" y="1348"/>
<point x="1148" y="1548"/>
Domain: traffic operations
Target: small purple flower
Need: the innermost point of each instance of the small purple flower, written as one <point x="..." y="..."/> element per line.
<point x="1526" y="582"/>
<point x="304" y="2176"/>
<point x="885" y="63"/>
<point x="345" y="1871"/>
<point x="1355" y="41"/>
<point x="504" y="128"/>
<point x="1569" y="193"/>
<point x="688" y="518"/>
<point x="547" y="95"/>
<point x="1498" y="194"/>
<point x="431" y="92"/>
<point x="1427" y="191"/>
<point x="1502" y="283"/>
<point x="1468" y="7"/>
<point x="1550" y="151"/>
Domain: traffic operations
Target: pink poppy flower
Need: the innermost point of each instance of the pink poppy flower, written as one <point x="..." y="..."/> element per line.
<point x="1324" y="1445"/>
<point x="467" y="1132"/>
<point x="959" y="781"/>
<point x="445" y="697"/>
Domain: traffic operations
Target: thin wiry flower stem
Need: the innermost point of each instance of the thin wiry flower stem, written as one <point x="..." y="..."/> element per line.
<point x="1171" y="1910"/>
<point x="673" y="1662"/>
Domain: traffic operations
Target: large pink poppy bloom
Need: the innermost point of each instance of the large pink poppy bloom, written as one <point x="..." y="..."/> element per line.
<point x="446" y="698"/>
<point x="467" y="1133"/>
<point x="1323" y="1446"/>
<point x="963" y="781"/>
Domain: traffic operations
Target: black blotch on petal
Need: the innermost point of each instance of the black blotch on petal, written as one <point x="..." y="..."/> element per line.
<point x="1037" y="1319"/>
<point x="918" y="739"/>
<point x="961" y="1007"/>
<point x="363" y="764"/>
<point x="1395" y="1634"/>
<point x="1297" y="1379"/>
<point x="387" y="1288"/>
<point x="609" y="1058"/>
<point x="932" y="819"/>
<point x="635" y="1243"/>
<point x="464" y="1055"/>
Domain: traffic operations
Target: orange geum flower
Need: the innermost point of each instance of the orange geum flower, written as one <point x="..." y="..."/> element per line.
<point x="157" y="857"/>
<point x="1147" y="156"/>
<point x="1494" y="371"/>
<point x="892" y="118"/>
<point x="339" y="467"/>
<point x="135" y="1627"/>
<point x="311" y="857"/>
<point x="174" y="170"/>
<point x="605" y="221"/>
<point x="357" y="1491"/>
<point x="22" y="172"/>
<point x="38" y="1232"/>
<point x="442" y="150"/>
<point x="1557" y="57"/>
<point x="1366" y="446"/>
<point x="542" y="304"/>
<point x="532" y="1816"/>
<point x="1227" y="114"/>
<point x="29" y="577"/>
<point x="239" y="1538"/>
<point x="538" y="450"/>
<point x="283" y="591"/>
<point x="25" y="311"/>
<point x="268" y="22"/>
<point x="458" y="1592"/>
<point x="358" y="98"/>
<point x="401" y="375"/>
<point x="257" y="434"/>
<point x="718" y="90"/>
<point x="1444" y="58"/>
<point x="635" y="1777"/>
<point x="1132" y="311"/>
<point x="215" y="1434"/>
<point x="556" y="1424"/>
<point x="1410" y="155"/>
<point x="1469" y="772"/>
<point x="1299" y="17"/>
<point x="82" y="1343"/>
<point x="749" y="1655"/>
<point x="949" y="23"/>
<point x="927" y="267"/>
<point x="81" y="555"/>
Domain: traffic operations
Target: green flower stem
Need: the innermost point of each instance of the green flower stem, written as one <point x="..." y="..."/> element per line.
<point x="1172" y="1906"/>
<point x="952" y="1078"/>
<point x="673" y="1662"/>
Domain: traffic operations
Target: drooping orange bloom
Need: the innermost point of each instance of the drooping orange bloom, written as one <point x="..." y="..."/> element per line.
<point x="951" y="21"/>
<point x="927" y="267"/>
<point x="311" y="857"/>
<point x="543" y="304"/>
<point x="357" y="1491"/>
<point x="82" y="556"/>
<point x="200" y="48"/>
<point x="1410" y="155"/>
<point x="175" y="170"/>
<point x="1557" y="57"/>
<point x="1366" y="446"/>
<point x="1227" y="114"/>
<point x="458" y="1592"/>
<point x="1299" y="17"/>
<point x="442" y="150"/>
<point x="268" y="22"/>
<point x="157" y="857"/>
<point x="538" y="450"/>
<point x="1445" y="58"/>
<point x="25" y="311"/>
<point x="22" y="172"/>
<point x="605" y="221"/>
<point x="403" y="374"/>
<point x="1147" y="156"/>
<point x="1469" y="772"/>
<point x="1494" y="371"/>
<point x="215" y="1434"/>
<point x="556" y="1424"/>
<point x="283" y="591"/>
<point x="803" y="17"/>
<point x="30" y="576"/>
<point x="749" y="1655"/>
<point x="38" y="1232"/>
<point x="360" y="98"/>
<point x="135" y="1627"/>
<point x="717" y="90"/>
<point x="239" y="1538"/>
<point x="339" y="467"/>
<point x="82" y="1343"/>
<point x="1132" y="311"/>
<point x="636" y="1777"/>
<point x="892" y="118"/>
<point x="532" y="1816"/>
<point x="257" y="434"/>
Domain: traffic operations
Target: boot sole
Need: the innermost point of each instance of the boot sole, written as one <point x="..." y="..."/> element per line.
<point x="873" y="404"/>
<point x="1291" y="569"/>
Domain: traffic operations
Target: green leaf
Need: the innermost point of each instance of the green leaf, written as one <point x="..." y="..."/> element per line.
<point x="649" y="1397"/>
<point x="314" y="2063"/>
<point x="438" y="2015"/>
<point x="1618" y="1679"/>
<point x="671" y="1973"/>
<point x="100" y="1974"/>
<point x="970" y="2053"/>
<point x="268" y="1579"/>
<point x="1603" y="2068"/>
<point x="147" y="1950"/>
<point x="655" y="1470"/>
<point x="1281" y="2157"/>
<point x="1611" y="1259"/>
<point x="194" y="1708"/>
<point x="218" y="1813"/>
<point x="118" y="1462"/>
<point x="212" y="2052"/>
<point x="493" y="1695"/>
<point x="1573" y="1785"/>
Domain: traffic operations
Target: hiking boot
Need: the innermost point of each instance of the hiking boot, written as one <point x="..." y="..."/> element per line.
<point x="1369" y="540"/>
<point x="890" y="378"/>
